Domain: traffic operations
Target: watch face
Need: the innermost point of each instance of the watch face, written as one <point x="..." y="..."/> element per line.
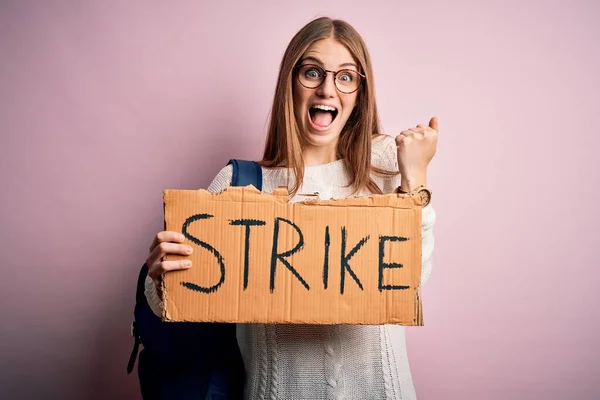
<point x="425" y="196"/>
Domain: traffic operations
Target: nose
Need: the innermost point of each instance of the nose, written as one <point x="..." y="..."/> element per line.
<point x="327" y="89"/>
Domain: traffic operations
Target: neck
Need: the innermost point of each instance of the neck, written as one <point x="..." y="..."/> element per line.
<point x="319" y="155"/>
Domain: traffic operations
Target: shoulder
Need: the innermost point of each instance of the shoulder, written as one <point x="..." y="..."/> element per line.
<point x="222" y="180"/>
<point x="382" y="141"/>
<point x="384" y="152"/>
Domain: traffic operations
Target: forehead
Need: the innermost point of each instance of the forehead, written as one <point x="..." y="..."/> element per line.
<point x="331" y="53"/>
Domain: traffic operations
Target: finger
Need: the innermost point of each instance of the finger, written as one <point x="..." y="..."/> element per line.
<point x="402" y="141"/>
<point x="402" y="136"/>
<point x="165" y="248"/>
<point x="405" y="135"/>
<point x="421" y="126"/>
<point x="166" y="266"/>
<point x="417" y="130"/>
<point x="433" y="124"/>
<point x="166" y="236"/>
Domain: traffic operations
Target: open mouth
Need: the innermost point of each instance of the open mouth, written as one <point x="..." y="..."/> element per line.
<point x="322" y="116"/>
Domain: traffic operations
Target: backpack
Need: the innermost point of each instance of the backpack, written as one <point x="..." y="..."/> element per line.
<point x="189" y="360"/>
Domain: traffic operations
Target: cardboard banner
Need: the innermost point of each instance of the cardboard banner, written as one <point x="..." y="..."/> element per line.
<point x="258" y="258"/>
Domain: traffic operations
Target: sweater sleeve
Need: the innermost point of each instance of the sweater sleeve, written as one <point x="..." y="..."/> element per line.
<point x="427" y="223"/>
<point x="219" y="183"/>
<point x="385" y="156"/>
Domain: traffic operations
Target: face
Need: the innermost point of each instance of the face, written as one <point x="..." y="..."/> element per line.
<point x="322" y="112"/>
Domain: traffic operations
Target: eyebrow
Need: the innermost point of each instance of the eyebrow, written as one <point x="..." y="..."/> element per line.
<point x="315" y="59"/>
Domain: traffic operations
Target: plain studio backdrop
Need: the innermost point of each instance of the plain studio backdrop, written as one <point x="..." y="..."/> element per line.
<point x="104" y="104"/>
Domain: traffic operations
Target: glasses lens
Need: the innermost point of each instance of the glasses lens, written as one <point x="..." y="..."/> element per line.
<point x="347" y="80"/>
<point x="311" y="76"/>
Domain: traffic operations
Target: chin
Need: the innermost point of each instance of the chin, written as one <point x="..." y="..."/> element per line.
<point x="320" y="137"/>
<point x="321" y="140"/>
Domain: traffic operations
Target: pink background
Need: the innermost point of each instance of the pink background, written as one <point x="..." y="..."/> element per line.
<point x="105" y="104"/>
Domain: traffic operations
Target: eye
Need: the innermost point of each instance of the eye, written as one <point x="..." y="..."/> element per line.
<point x="346" y="76"/>
<point x="312" y="73"/>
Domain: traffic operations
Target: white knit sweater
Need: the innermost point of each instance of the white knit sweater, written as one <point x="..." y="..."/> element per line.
<point x="312" y="362"/>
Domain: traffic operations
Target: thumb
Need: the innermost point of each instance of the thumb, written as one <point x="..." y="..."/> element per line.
<point x="433" y="124"/>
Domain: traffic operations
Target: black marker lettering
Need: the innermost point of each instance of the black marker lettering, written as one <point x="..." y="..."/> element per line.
<point x="346" y="259"/>
<point x="280" y="256"/>
<point x="326" y="260"/>
<point x="382" y="265"/>
<point x="212" y="250"/>
<point x="247" y="223"/>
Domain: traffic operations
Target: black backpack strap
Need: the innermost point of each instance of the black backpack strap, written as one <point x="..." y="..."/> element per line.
<point x="136" y="347"/>
<point x="246" y="173"/>
<point x="140" y="300"/>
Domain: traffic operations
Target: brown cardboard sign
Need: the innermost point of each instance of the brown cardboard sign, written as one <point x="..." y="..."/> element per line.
<point x="259" y="258"/>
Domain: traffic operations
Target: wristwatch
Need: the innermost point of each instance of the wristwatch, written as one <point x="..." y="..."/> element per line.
<point x="423" y="193"/>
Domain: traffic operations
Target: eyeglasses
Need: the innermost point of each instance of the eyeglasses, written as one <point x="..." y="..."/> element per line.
<point x="312" y="76"/>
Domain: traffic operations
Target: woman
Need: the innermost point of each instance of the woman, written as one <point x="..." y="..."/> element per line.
<point x="324" y="137"/>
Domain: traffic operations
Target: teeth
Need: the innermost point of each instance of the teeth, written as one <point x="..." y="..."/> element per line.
<point x="323" y="107"/>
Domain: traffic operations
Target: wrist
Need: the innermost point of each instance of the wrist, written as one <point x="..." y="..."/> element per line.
<point x="408" y="183"/>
